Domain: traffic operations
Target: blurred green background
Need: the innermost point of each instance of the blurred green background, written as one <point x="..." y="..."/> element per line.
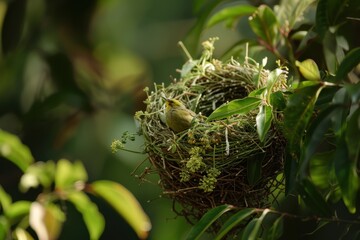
<point x="72" y="75"/>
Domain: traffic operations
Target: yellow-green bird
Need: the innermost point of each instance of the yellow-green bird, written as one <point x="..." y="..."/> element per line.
<point x="178" y="117"/>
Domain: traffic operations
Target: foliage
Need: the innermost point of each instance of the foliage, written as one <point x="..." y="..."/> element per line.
<point x="320" y="119"/>
<point x="227" y="153"/>
<point x="60" y="181"/>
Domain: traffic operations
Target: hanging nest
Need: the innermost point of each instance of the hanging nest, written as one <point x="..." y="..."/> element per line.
<point x="213" y="162"/>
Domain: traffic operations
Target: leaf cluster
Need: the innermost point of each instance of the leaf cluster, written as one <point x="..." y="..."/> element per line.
<point x="321" y="110"/>
<point x="60" y="181"/>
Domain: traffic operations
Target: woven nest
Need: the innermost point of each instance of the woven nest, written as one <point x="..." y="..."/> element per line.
<point x="208" y="164"/>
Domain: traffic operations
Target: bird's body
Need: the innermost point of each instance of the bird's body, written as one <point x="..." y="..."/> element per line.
<point x="178" y="117"/>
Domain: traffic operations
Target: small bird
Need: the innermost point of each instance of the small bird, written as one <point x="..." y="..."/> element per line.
<point x="178" y="117"/>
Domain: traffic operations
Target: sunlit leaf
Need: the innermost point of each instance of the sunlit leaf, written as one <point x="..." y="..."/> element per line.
<point x="239" y="106"/>
<point x="39" y="173"/>
<point x="93" y="219"/>
<point x="257" y="92"/>
<point x="273" y="78"/>
<point x="17" y="210"/>
<point x="351" y="60"/>
<point x="67" y="173"/>
<point x="233" y="221"/>
<point x="205" y="222"/>
<point x="320" y="168"/>
<point x="4" y="227"/>
<point x="303" y="84"/>
<point x="5" y="199"/>
<point x="309" y="69"/>
<point x="298" y="112"/>
<point x="12" y="149"/>
<point x="22" y="234"/>
<point x="46" y="220"/>
<point x="125" y="204"/>
<point x="346" y="173"/>
<point x="187" y="67"/>
<point x="265" y="25"/>
<point x="263" y="121"/>
<point x="230" y="13"/>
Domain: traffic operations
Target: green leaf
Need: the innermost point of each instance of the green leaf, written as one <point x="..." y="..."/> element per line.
<point x="17" y="211"/>
<point x="291" y="12"/>
<point x="5" y="199"/>
<point x="353" y="91"/>
<point x="273" y="78"/>
<point x="93" y="219"/>
<point x="298" y="112"/>
<point x="290" y="170"/>
<point x="254" y="168"/>
<point x="352" y="135"/>
<point x="351" y="60"/>
<point x="12" y="149"/>
<point x="265" y="25"/>
<point x="253" y="229"/>
<point x="309" y="69"/>
<point x="187" y="67"/>
<point x="320" y="169"/>
<point x="313" y="198"/>
<point x="277" y="100"/>
<point x="303" y="84"/>
<point x="233" y="221"/>
<point x="346" y="173"/>
<point x="67" y="173"/>
<point x="194" y="35"/>
<point x="257" y="92"/>
<point x="12" y="26"/>
<point x="205" y="222"/>
<point x="276" y="229"/>
<point x="330" y="48"/>
<point x="249" y="229"/>
<point x="230" y="13"/>
<point x="263" y="121"/>
<point x="39" y="173"/>
<point x="239" y="106"/>
<point x="310" y="35"/>
<point x="342" y="99"/>
<point x="4" y="227"/>
<point x="125" y="204"/>
<point x="315" y="136"/>
<point x="321" y="21"/>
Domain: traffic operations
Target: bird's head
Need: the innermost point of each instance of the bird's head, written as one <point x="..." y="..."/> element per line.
<point x="173" y="103"/>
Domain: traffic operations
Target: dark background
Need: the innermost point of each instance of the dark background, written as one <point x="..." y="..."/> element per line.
<point x="72" y="75"/>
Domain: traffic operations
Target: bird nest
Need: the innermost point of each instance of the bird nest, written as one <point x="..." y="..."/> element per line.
<point x="211" y="163"/>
